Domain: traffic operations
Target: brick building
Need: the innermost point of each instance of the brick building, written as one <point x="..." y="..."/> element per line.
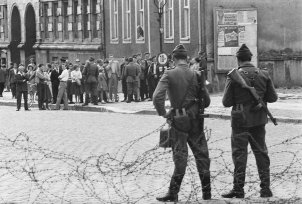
<point x="132" y="26"/>
<point x="276" y="35"/>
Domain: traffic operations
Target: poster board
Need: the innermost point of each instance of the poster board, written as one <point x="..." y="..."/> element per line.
<point x="232" y="28"/>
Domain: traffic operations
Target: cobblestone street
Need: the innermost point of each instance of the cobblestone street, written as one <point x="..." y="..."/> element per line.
<point x="92" y="157"/>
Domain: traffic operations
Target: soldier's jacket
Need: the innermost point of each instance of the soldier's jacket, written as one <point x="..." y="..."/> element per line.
<point x="235" y="94"/>
<point x="132" y="71"/>
<point x="91" y="73"/>
<point x="176" y="82"/>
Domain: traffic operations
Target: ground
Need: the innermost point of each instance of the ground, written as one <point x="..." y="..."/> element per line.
<point x="93" y="157"/>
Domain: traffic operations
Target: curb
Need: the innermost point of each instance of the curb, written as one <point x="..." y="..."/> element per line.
<point x="145" y="112"/>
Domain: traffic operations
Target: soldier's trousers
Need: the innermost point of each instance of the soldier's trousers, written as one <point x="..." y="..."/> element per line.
<point x="240" y="139"/>
<point x="132" y="88"/>
<point x="198" y="144"/>
<point x="91" y="88"/>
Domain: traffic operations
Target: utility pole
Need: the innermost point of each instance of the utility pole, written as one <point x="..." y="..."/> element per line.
<point x="160" y="4"/>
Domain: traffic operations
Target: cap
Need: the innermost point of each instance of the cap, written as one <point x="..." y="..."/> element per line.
<point x="63" y="59"/>
<point x="244" y="51"/>
<point x="180" y="50"/>
<point x="77" y="60"/>
<point x="146" y="53"/>
<point x="91" y="59"/>
<point x="99" y="61"/>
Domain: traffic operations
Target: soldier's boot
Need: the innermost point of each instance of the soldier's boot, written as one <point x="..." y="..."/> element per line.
<point x="129" y="98"/>
<point x="265" y="190"/>
<point x="206" y="186"/>
<point x="94" y="100"/>
<point x="237" y="191"/>
<point x="172" y="195"/>
<point x="136" y="98"/>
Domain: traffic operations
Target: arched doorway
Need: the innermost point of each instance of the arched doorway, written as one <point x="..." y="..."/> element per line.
<point x="16" y="35"/>
<point x="30" y="33"/>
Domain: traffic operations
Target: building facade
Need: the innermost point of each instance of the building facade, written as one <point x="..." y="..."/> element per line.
<point x="51" y="29"/>
<point x="278" y="35"/>
<point x="132" y="26"/>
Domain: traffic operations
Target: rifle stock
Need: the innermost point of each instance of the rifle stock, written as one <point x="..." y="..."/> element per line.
<point x="236" y="77"/>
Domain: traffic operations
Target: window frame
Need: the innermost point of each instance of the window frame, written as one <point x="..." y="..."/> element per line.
<point x="182" y="8"/>
<point x="168" y="24"/>
<point x="138" y="11"/>
<point x="126" y="21"/>
<point x="113" y="21"/>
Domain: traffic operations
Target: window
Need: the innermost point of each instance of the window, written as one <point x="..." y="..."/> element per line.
<point x="185" y="20"/>
<point x="94" y="19"/>
<point x="75" y="19"/>
<point x="65" y="19"/>
<point x="140" y="21"/>
<point x="86" y="10"/>
<point x="55" y="20"/>
<point x="114" y="21"/>
<point x="169" y="22"/>
<point x="46" y="20"/>
<point x="127" y="21"/>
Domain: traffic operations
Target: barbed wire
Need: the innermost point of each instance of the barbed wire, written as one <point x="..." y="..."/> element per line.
<point x="34" y="174"/>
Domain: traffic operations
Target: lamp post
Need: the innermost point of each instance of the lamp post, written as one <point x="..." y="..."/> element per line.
<point x="160" y="4"/>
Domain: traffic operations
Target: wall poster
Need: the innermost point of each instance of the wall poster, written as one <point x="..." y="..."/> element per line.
<point x="232" y="28"/>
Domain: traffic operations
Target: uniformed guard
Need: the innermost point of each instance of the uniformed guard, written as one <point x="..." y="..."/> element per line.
<point x="187" y="126"/>
<point x="131" y="74"/>
<point x="91" y="73"/>
<point x="248" y="122"/>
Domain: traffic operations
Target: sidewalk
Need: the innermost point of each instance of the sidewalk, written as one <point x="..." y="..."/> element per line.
<point x="287" y="109"/>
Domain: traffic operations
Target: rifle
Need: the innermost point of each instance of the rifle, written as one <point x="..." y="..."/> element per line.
<point x="236" y="77"/>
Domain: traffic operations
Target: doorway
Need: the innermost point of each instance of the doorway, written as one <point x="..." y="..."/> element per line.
<point x="16" y="35"/>
<point x="30" y="33"/>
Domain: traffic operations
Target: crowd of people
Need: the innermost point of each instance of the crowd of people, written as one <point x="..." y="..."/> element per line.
<point x="93" y="81"/>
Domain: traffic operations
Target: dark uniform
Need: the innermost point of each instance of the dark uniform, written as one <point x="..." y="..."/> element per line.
<point x="152" y="78"/>
<point x="176" y="82"/>
<point x="91" y="73"/>
<point x="21" y="88"/>
<point x="131" y="75"/>
<point x="252" y="129"/>
<point x="124" y="83"/>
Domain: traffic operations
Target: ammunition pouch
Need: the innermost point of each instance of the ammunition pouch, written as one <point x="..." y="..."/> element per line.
<point x="181" y="121"/>
<point x="165" y="139"/>
<point x="238" y="116"/>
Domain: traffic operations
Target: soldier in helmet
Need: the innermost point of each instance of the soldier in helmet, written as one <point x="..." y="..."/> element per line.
<point x="248" y="123"/>
<point x="181" y="83"/>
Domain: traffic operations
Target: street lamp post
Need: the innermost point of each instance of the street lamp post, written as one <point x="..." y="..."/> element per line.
<point x="160" y="4"/>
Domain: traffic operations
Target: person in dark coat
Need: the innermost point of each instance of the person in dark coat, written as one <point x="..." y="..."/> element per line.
<point x="131" y="74"/>
<point x="91" y="73"/>
<point x="55" y="81"/>
<point x="152" y="77"/>
<point x="203" y="62"/>
<point x="182" y="86"/>
<point x="248" y="124"/>
<point x="21" y="79"/>
<point x="12" y="80"/>
<point x="3" y="73"/>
